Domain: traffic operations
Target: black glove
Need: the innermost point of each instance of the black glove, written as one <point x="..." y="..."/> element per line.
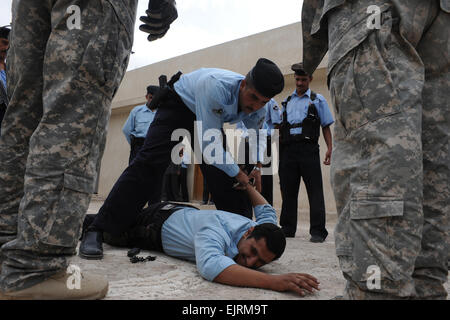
<point x="160" y="14"/>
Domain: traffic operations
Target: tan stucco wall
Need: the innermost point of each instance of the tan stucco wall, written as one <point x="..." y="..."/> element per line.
<point x="281" y="45"/>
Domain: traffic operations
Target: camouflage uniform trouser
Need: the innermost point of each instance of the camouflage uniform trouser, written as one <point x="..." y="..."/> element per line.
<point x="390" y="170"/>
<point x="61" y="81"/>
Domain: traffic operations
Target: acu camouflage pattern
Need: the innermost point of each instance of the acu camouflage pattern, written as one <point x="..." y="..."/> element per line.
<point x="390" y="169"/>
<point x="53" y="135"/>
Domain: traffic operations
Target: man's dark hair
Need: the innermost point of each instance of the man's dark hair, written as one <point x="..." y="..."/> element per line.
<point x="4" y="32"/>
<point x="249" y="80"/>
<point x="152" y="89"/>
<point x="275" y="238"/>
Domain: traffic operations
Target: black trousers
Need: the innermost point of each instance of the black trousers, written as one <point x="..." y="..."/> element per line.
<point x="267" y="179"/>
<point x="143" y="177"/>
<point x="183" y="185"/>
<point x="171" y="185"/>
<point x="205" y="196"/>
<point x="136" y="145"/>
<point x="145" y="231"/>
<point x="301" y="160"/>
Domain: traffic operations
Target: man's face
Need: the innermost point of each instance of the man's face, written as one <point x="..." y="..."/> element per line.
<point x="302" y="83"/>
<point x="253" y="253"/>
<point x="149" y="98"/>
<point x="4" y="46"/>
<point x="250" y="100"/>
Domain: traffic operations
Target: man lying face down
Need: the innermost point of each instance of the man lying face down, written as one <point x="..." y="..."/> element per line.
<point x="227" y="248"/>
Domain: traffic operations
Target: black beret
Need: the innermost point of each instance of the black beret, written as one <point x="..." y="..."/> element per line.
<point x="4" y="32"/>
<point x="267" y="78"/>
<point x="298" y="69"/>
<point x="152" y="89"/>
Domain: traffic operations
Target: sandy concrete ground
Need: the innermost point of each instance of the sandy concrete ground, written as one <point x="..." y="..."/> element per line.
<point x="170" y="278"/>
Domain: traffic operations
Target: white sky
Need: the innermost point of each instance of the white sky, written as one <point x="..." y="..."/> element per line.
<point x="201" y="24"/>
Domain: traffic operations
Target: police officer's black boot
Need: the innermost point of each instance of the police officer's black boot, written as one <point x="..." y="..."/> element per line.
<point x="91" y="244"/>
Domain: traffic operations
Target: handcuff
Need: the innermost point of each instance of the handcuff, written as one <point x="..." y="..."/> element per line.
<point x="251" y="181"/>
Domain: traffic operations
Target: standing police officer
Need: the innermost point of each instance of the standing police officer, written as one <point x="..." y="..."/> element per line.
<point x="136" y="127"/>
<point x="303" y="114"/>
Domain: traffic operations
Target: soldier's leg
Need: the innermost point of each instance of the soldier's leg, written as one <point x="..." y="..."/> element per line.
<point x="25" y="61"/>
<point x="82" y="70"/>
<point x="377" y="163"/>
<point x="431" y="265"/>
<point x="289" y="173"/>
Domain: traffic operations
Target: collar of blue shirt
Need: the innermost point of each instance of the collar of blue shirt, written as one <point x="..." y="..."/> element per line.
<point x="307" y="93"/>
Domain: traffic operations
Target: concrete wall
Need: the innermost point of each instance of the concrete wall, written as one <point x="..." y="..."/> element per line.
<point x="281" y="45"/>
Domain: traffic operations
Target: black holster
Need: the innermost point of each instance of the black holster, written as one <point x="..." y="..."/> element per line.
<point x="146" y="232"/>
<point x="165" y="88"/>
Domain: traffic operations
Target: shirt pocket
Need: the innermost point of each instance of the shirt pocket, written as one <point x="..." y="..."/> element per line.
<point x="142" y="124"/>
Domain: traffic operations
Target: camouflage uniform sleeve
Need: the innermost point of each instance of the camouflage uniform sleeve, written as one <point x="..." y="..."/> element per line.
<point x="314" y="46"/>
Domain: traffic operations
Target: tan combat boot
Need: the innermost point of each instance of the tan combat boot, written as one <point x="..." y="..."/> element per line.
<point x="63" y="286"/>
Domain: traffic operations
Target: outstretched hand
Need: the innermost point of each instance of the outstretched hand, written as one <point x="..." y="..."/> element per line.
<point x="296" y="282"/>
<point x="160" y="14"/>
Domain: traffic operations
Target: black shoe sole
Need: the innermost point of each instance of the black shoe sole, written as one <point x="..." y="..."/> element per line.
<point x="317" y="241"/>
<point x="91" y="256"/>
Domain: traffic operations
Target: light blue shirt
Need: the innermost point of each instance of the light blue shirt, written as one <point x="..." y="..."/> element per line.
<point x="209" y="237"/>
<point x="186" y="159"/>
<point x="138" y="122"/>
<point x="273" y="116"/>
<point x="297" y="110"/>
<point x="213" y="95"/>
<point x="3" y="78"/>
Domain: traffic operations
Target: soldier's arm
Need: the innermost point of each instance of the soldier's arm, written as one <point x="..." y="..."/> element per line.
<point x="314" y="46"/>
<point x="159" y="15"/>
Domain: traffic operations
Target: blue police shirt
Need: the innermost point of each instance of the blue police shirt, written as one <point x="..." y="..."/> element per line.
<point x="138" y="122"/>
<point x="186" y="159"/>
<point x="3" y="78"/>
<point x="297" y="110"/>
<point x="213" y="96"/>
<point x="209" y="237"/>
<point x="273" y="116"/>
